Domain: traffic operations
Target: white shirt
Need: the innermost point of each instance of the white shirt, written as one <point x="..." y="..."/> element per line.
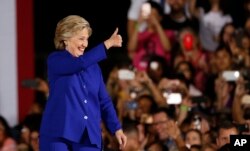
<point x="211" y="24"/>
<point x="135" y="7"/>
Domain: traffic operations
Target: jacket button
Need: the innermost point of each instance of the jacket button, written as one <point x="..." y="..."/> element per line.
<point x="85" y="117"/>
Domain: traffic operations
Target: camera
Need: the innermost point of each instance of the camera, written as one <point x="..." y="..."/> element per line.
<point x="145" y="10"/>
<point x="231" y="75"/>
<point x="246" y="75"/>
<point x="126" y="74"/>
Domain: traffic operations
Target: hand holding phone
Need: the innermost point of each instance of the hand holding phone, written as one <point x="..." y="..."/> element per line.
<point x="125" y="74"/>
<point x="231" y="75"/>
<point x="197" y="122"/>
<point x="174" y="98"/>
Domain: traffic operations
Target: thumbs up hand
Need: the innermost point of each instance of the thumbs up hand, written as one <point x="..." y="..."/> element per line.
<point x="114" y="41"/>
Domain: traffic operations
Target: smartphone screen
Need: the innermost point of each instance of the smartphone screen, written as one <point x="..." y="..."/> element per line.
<point x="132" y="105"/>
<point x="146" y="10"/>
<point x="231" y="75"/>
<point x="174" y="98"/>
<point x="154" y="65"/>
<point x="125" y="74"/>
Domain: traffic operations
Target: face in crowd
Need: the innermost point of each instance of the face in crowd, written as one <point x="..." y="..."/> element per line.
<point x="160" y="124"/>
<point x="224" y="136"/>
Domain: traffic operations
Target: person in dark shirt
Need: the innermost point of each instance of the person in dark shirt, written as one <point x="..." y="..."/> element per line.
<point x="178" y="19"/>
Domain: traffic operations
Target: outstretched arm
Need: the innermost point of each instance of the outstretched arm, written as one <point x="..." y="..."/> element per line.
<point x="63" y="64"/>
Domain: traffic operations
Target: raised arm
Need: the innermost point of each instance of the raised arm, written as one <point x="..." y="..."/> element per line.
<point x="64" y="63"/>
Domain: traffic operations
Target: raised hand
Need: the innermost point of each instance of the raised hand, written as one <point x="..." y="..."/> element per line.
<point x="114" y="41"/>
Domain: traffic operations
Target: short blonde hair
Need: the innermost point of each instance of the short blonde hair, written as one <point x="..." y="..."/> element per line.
<point x="67" y="27"/>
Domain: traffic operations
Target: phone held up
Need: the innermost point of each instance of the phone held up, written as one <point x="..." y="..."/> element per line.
<point x="126" y="74"/>
<point x="173" y="98"/>
<point x="231" y="75"/>
<point x="146" y="10"/>
<point x="131" y="105"/>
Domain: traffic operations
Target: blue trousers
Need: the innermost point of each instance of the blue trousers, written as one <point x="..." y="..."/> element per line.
<point x="47" y="143"/>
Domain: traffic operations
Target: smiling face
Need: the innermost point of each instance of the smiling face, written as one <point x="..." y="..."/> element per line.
<point x="77" y="43"/>
<point x="72" y="33"/>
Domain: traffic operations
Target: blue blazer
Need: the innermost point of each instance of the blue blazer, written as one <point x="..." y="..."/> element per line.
<point x="78" y="98"/>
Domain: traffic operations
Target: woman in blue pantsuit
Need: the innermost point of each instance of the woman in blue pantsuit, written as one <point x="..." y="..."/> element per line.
<point x="78" y="101"/>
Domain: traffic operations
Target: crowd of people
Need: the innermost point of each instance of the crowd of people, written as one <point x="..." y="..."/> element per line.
<point x="185" y="86"/>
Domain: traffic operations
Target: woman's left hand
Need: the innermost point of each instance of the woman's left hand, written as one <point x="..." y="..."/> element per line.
<point x="121" y="138"/>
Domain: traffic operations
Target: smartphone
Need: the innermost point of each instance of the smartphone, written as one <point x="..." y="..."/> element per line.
<point x="132" y="105"/>
<point x="231" y="75"/>
<point x="154" y="65"/>
<point x="145" y="10"/>
<point x="174" y="98"/>
<point x="125" y="74"/>
<point x="30" y="83"/>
